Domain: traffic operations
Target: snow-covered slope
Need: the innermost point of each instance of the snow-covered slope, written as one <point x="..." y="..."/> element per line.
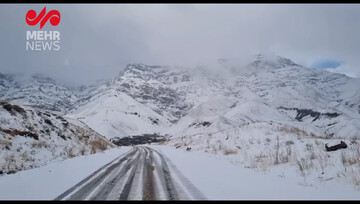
<point x="37" y="91"/>
<point x="152" y="86"/>
<point x="227" y="94"/>
<point x="115" y="114"/>
<point x="31" y="138"/>
<point x="313" y="98"/>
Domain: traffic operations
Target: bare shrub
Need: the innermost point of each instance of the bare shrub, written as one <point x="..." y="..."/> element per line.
<point x="288" y="151"/>
<point x="312" y="155"/>
<point x="71" y="153"/>
<point x="348" y="160"/>
<point x="343" y="158"/>
<point x="327" y="137"/>
<point x="216" y="147"/>
<point x="353" y="161"/>
<point x="304" y="165"/>
<point x="260" y="157"/>
<point x="228" y="151"/>
<point x="297" y="131"/>
<point x="284" y="157"/>
<point x="294" y="130"/>
<point x="39" y="144"/>
<point x="355" y="176"/>
<point x="309" y="147"/>
<point x="289" y="142"/>
<point x="164" y="142"/>
<point x="356" y="180"/>
<point x="5" y="142"/>
<point x="277" y="151"/>
<point x="301" y="166"/>
<point x="354" y="138"/>
<point x="322" y="159"/>
<point x="25" y="157"/>
<point x="208" y="143"/>
<point x="82" y="150"/>
<point x="353" y="142"/>
<point x="10" y="162"/>
<point x="98" y="144"/>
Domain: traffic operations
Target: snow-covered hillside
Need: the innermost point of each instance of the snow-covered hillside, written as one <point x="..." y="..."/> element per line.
<point x="281" y="149"/>
<point x="228" y="94"/>
<point x="115" y="114"/>
<point x="31" y="138"/>
<point x="266" y="89"/>
<point x="37" y="91"/>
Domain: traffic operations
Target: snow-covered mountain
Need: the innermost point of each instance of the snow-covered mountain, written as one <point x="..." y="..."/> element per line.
<point x="30" y="138"/>
<point x="265" y="90"/>
<point x="37" y="91"/>
<point x="267" y="113"/>
<point x="317" y="100"/>
<point x="228" y="94"/>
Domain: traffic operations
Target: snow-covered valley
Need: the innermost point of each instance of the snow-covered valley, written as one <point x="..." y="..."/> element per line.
<point x="268" y="119"/>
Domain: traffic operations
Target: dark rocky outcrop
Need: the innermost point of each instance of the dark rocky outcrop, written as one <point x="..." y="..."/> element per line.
<point x="301" y="113"/>
<point x="342" y="145"/>
<point x="138" y="139"/>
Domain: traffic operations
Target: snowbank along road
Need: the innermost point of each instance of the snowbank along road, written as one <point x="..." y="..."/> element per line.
<point x="140" y="174"/>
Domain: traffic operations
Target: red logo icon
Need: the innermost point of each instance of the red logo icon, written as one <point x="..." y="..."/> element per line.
<point x="53" y="15"/>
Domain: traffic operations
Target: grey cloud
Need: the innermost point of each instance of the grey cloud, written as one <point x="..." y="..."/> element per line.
<point x="98" y="40"/>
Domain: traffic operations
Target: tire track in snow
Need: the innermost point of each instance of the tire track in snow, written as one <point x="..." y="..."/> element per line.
<point x="141" y="173"/>
<point x="165" y="178"/>
<point x="104" y="192"/>
<point x="88" y="178"/>
<point x="183" y="185"/>
<point x="148" y="177"/>
<point x="129" y="184"/>
<point x="91" y="187"/>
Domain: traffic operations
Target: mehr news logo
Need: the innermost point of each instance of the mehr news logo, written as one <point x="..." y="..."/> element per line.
<point x="43" y="40"/>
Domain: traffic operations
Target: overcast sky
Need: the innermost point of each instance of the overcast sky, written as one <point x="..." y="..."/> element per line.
<point x="99" y="40"/>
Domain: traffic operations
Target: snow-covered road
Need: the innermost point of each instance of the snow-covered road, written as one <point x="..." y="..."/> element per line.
<point x="142" y="173"/>
<point x="163" y="172"/>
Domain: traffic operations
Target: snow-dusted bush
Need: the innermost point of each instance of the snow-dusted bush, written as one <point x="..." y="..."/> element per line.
<point x="98" y="145"/>
<point x="228" y="151"/>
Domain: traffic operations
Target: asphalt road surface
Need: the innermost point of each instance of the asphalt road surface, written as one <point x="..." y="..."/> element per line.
<point x="140" y="174"/>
